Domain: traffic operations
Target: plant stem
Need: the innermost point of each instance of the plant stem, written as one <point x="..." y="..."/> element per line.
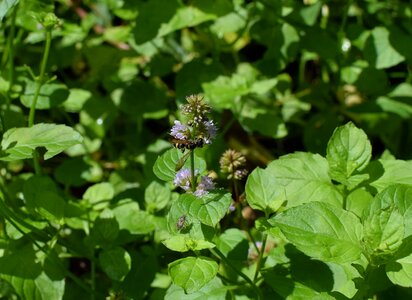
<point x="40" y="79"/>
<point x="216" y="252"/>
<point x="260" y="258"/>
<point x="192" y="170"/>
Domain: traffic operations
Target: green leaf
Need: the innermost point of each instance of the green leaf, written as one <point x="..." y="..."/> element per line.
<point x="156" y="196"/>
<point x="381" y="48"/>
<point x="400" y="271"/>
<point x="19" y="143"/>
<point x="42" y="196"/>
<point x="183" y="243"/>
<point x="263" y="192"/>
<point x="6" y="6"/>
<point x="192" y="273"/>
<point x="192" y="227"/>
<point x="305" y="178"/>
<point x="209" y="209"/>
<point x="115" y="262"/>
<point x="32" y="280"/>
<point x="383" y="228"/>
<point x="105" y="229"/>
<point x="322" y="231"/>
<point x="99" y="195"/>
<point x="51" y="95"/>
<point x="77" y="98"/>
<point x="348" y="151"/>
<point x="132" y="219"/>
<point x="213" y="290"/>
<point x="165" y="165"/>
<point x="289" y="289"/>
<point x="384" y="173"/>
<point x="397" y="197"/>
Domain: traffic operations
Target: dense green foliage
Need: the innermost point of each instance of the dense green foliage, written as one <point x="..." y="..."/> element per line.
<point x="315" y="96"/>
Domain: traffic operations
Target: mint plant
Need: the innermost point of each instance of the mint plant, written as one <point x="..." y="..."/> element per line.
<point x="285" y="175"/>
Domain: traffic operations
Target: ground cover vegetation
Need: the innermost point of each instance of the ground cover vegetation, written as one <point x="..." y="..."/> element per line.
<point x="205" y="149"/>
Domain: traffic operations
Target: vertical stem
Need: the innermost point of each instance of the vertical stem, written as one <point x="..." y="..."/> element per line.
<point x="260" y="258"/>
<point x="40" y="81"/>
<point x="192" y="170"/>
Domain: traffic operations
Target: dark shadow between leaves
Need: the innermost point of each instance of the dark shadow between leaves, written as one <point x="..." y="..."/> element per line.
<point x="313" y="274"/>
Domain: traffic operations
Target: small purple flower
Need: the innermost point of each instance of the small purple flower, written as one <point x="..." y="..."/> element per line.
<point x="206" y="184"/>
<point x="211" y="130"/>
<point x="232" y="207"/>
<point x="183" y="178"/>
<point x="180" y="131"/>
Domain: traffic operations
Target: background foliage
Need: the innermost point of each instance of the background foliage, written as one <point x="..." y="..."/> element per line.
<point x="280" y="76"/>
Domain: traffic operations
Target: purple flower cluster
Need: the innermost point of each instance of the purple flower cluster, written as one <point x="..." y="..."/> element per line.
<point x="183" y="180"/>
<point x="198" y="130"/>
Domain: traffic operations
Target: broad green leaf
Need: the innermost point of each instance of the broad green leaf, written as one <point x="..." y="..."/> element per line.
<point x="99" y="195"/>
<point x="348" y="151"/>
<point x="156" y="196"/>
<point x="192" y="225"/>
<point x="400" y="271"/>
<point x="263" y="192"/>
<point x="344" y="276"/>
<point x="32" y="280"/>
<point x="358" y="200"/>
<point x="382" y="49"/>
<point x="42" y="196"/>
<point x="322" y="231"/>
<point x="183" y="243"/>
<point x="384" y="173"/>
<point x="19" y="143"/>
<point x="192" y="273"/>
<point x="6" y="6"/>
<point x="383" y="229"/>
<point x="132" y="219"/>
<point x="77" y="98"/>
<point x="290" y="290"/>
<point x="258" y="118"/>
<point x="209" y="209"/>
<point x="165" y="165"/>
<point x="115" y="262"/>
<point x="77" y="171"/>
<point x="305" y="178"/>
<point x="41" y="288"/>
<point x="233" y="244"/>
<point x="105" y="229"/>
<point x="51" y="95"/>
<point x="213" y="290"/>
<point x="399" y="196"/>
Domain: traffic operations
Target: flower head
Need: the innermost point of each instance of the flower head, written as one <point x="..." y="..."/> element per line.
<point x="183" y="179"/>
<point x="196" y="109"/>
<point x="180" y="131"/>
<point x="232" y="163"/>
<point x="206" y="184"/>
